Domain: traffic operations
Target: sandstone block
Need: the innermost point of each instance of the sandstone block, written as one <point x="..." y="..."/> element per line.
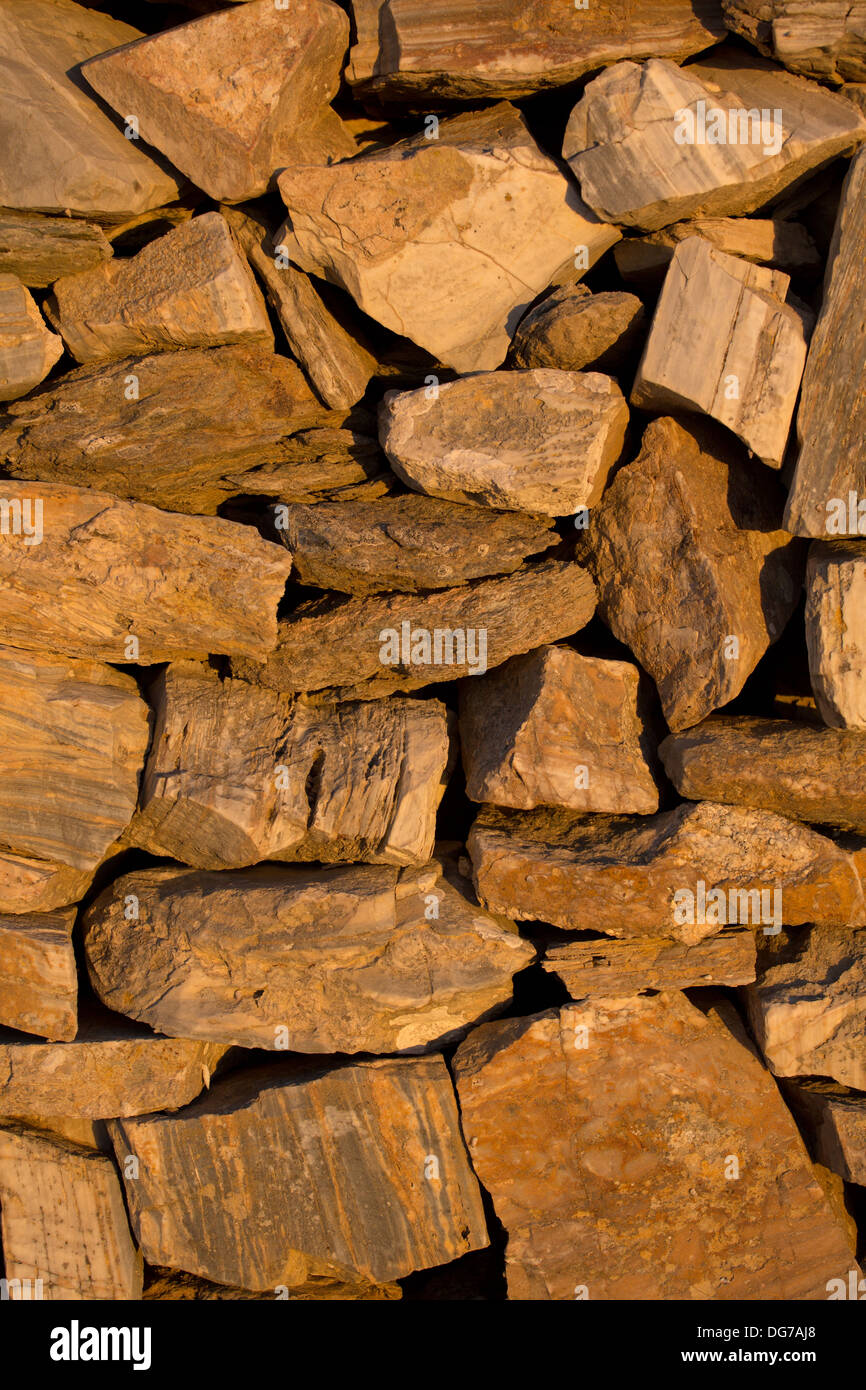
<point x="28" y="349"/>
<point x="836" y="631"/>
<point x="38" y="979"/>
<point x="622" y="969"/>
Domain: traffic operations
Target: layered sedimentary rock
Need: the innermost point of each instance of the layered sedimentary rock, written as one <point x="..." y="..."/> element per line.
<point x="648" y="153"/>
<point x="234" y="96"/>
<point x="354" y="959"/>
<point x="723" y="342"/>
<point x="821" y="38"/>
<point x="409" y="52"/>
<point x="66" y="1235"/>
<point x="28" y="349"/>
<point x="30" y="885"/>
<point x="612" y="969"/>
<point x="607" y="1090"/>
<point x="693" y="569"/>
<point x="486" y="220"/>
<point x="239" y="773"/>
<point x="828" y="492"/>
<point x="685" y="873"/>
<point x="553" y="728"/>
<point x="191" y="288"/>
<point x="364" y="647"/>
<point x="539" y="441"/>
<point x="643" y="261"/>
<point x="789" y="766"/>
<point x="406" y="543"/>
<point x="61" y="152"/>
<point x="833" y="1120"/>
<point x="38" y="978"/>
<point x="127" y="583"/>
<point x="41" y="249"/>
<point x="572" y="329"/>
<point x="836" y="631"/>
<point x="808" y="1003"/>
<point x="386" y="1190"/>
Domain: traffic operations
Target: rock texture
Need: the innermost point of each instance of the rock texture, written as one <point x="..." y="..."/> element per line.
<point x="64" y="1221"/>
<point x="238" y="773"/>
<point x="191" y="288"/>
<point x="486" y="220"/>
<point x="107" y="571"/>
<point x="831" y="421"/>
<point x="836" y="631"/>
<point x="621" y="969"/>
<point x="41" y="249"/>
<point x="28" y="350"/>
<point x="642" y="164"/>
<point x="653" y="875"/>
<point x="408" y="543"/>
<point x="723" y="342"/>
<point x="553" y="728"/>
<point x="234" y="96"/>
<point x="30" y="885"/>
<point x="352" y="1201"/>
<point x="38" y="978"/>
<point x="643" y="1117"/>
<point x="833" y="1120"/>
<point x="796" y="769"/>
<point x="821" y="39"/>
<point x="364" y="647"/>
<point x="643" y="261"/>
<point x="571" y="329"/>
<point x="535" y="441"/>
<point x="693" y="569"/>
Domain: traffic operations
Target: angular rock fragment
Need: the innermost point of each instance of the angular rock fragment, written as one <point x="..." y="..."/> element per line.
<point x="41" y="249"/>
<point x="128" y="583"/>
<point x="354" y="959"/>
<point x="807" y="1007"/>
<point x="61" y="152"/>
<point x="638" y="1107"/>
<point x="643" y="261"/>
<point x="191" y="288"/>
<point x="328" y="1174"/>
<point x="80" y="732"/>
<point x="694" y="573"/>
<point x="485" y="222"/>
<point x="724" y="342"/>
<point x="833" y="1120"/>
<point x="65" y="1230"/>
<point x="156" y="429"/>
<point x="234" y="96"/>
<point x="836" y="631"/>
<point x="239" y="773"/>
<point x="112" y="1067"/>
<point x="38" y="980"/>
<point x="28" y="349"/>
<point x="624" y="968"/>
<point x="173" y="1285"/>
<point x="823" y="39"/>
<point x="38" y="885"/>
<point x="496" y="48"/>
<point x="537" y="441"/>
<point x="553" y="728"/>
<point x="89" y="1134"/>
<point x="406" y="543"/>
<point x="685" y="873"/>
<point x="364" y="647"/>
<point x="653" y="143"/>
<point x="788" y="766"/>
<point x="336" y="364"/>
<point x="828" y="491"/>
<point x="571" y="329"/>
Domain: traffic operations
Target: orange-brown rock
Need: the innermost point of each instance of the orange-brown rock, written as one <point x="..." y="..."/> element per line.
<point x="38" y="885"/>
<point x="41" y="249"/>
<point x="622" y="1139"/>
<point x="572" y="329"/>
<point x="836" y="631"/>
<point x="833" y="1121"/>
<point x="820" y="39"/>
<point x="38" y="979"/>
<point x="628" y="967"/>
<point x="28" y="350"/>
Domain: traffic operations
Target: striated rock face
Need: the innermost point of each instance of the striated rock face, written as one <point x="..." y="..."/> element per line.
<point x="64" y="1222"/>
<point x="155" y="428"/>
<point x="836" y="631"/>
<point x="625" y="968"/>
<point x="28" y="350"/>
<point x="833" y="1120"/>
<point x="239" y="773"/>
<point x="61" y="152"/>
<point x="807" y="1005"/>
<point x="724" y="343"/>
<point x="188" y="289"/>
<point x="572" y="329"/>
<point x="361" y="648"/>
<point x="406" y="543"/>
<point x="638" y="1106"/>
<point x="38" y="250"/>
<point x="30" y="885"/>
<point x="486" y="221"/>
<point x="693" y="569"/>
<point x="234" y="96"/>
<point x="796" y="769"/>
<point x="308" y="960"/>
<point x="685" y="873"/>
<point x="643" y="261"/>
<point x="355" y="1202"/>
<point x="38" y="978"/>
<point x="535" y="441"/>
<point x="553" y="728"/>
<point x="105" y="572"/>
<point x="408" y="52"/>
<point x="821" y="39"/>
<point x="641" y="163"/>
